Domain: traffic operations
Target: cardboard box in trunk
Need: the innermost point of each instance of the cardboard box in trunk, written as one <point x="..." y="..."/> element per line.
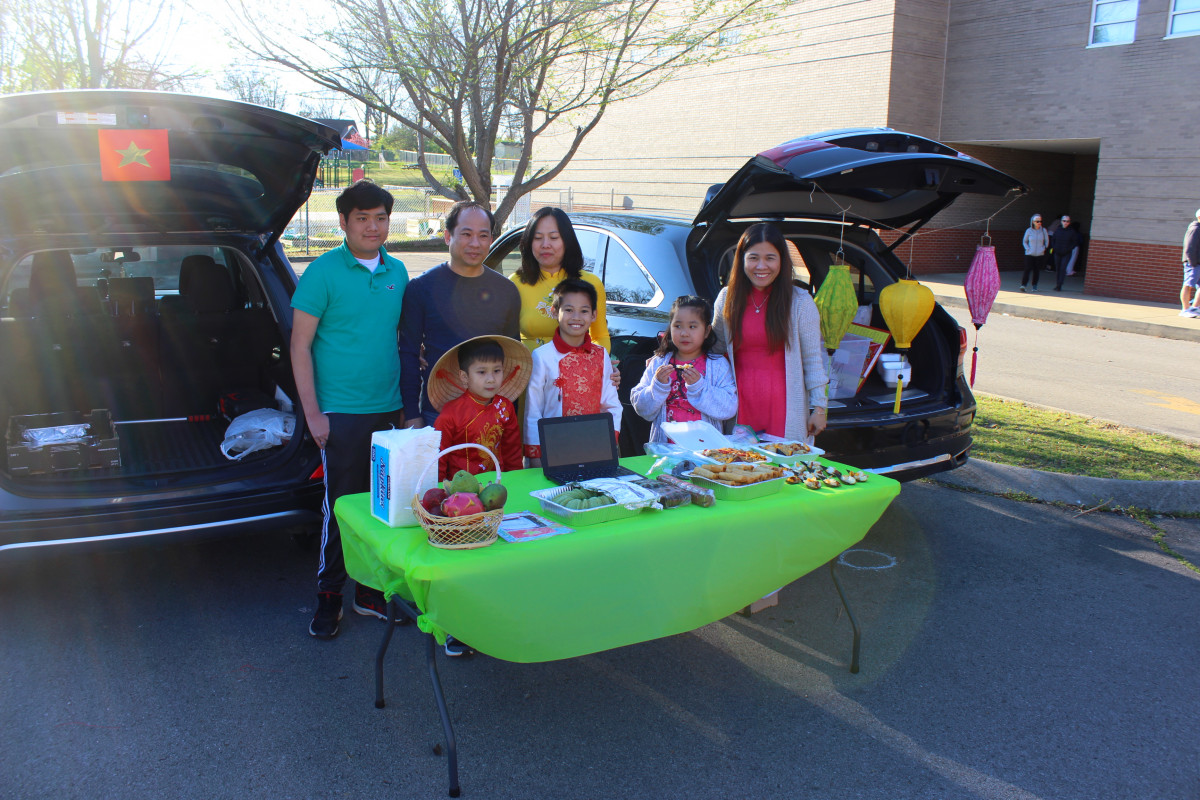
<point x="99" y="449"/>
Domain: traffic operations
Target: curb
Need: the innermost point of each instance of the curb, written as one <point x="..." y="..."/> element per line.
<point x="1164" y="497"/>
<point x="1085" y="320"/>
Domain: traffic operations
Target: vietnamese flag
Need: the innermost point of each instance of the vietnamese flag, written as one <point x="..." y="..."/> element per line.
<point x="137" y="155"/>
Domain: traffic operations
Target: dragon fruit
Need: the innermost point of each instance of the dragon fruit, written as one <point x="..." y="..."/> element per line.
<point x="460" y="504"/>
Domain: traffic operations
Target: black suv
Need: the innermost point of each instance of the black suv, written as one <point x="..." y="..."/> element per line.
<point x="141" y="278"/>
<point x="830" y="194"/>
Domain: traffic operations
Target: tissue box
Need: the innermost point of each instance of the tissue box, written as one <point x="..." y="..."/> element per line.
<point x="399" y="457"/>
<point x="892" y="367"/>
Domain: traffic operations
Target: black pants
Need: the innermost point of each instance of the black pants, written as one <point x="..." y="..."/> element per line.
<point x="1033" y="266"/>
<point x="347" y="461"/>
<point x="1060" y="267"/>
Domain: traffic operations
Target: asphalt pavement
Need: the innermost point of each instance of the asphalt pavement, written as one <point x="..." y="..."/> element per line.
<point x="1010" y="650"/>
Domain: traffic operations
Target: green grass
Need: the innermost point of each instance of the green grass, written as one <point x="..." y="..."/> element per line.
<point x="1013" y="433"/>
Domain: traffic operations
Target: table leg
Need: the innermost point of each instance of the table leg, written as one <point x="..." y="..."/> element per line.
<point x="383" y="646"/>
<point x="850" y="616"/>
<point x="451" y="747"/>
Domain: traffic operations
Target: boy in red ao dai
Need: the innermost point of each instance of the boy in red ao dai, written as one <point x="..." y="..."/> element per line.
<point x="488" y="369"/>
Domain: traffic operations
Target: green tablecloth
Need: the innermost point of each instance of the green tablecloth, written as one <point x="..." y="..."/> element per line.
<point x="613" y="584"/>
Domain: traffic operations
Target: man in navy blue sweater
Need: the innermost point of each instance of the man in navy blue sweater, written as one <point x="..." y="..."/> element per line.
<point x="457" y="300"/>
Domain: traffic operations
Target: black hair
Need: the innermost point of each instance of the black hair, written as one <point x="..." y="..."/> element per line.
<point x="463" y="205"/>
<point x="572" y="261"/>
<point x="487" y="351"/>
<point x="364" y="195"/>
<point x="572" y="286"/>
<point x="666" y="346"/>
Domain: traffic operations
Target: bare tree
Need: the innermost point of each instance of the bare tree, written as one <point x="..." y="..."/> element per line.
<point x="468" y="73"/>
<point x="85" y="44"/>
<point x="254" y="86"/>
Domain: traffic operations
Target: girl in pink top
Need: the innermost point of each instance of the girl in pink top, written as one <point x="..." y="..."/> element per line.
<point x="685" y="380"/>
<point x="771" y="331"/>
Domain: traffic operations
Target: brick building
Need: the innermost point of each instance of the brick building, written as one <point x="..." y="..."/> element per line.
<point x="1087" y="101"/>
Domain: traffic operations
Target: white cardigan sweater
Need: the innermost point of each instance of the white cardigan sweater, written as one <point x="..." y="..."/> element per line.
<point x="714" y="395"/>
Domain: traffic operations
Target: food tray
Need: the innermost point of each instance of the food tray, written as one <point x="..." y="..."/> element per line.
<point x="592" y="516"/>
<point x="703" y="459"/>
<point x="724" y="491"/>
<point x="812" y="453"/>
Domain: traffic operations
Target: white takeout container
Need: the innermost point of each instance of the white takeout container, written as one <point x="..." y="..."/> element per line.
<point x="892" y="367"/>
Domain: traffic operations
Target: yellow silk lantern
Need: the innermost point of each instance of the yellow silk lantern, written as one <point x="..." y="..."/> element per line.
<point x="838" y="302"/>
<point x="906" y="306"/>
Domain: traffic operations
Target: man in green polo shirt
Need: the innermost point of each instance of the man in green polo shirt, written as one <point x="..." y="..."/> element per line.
<point x="345" y="314"/>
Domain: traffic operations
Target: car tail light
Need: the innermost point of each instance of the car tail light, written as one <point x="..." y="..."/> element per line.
<point x="962" y="347"/>
<point x="319" y="472"/>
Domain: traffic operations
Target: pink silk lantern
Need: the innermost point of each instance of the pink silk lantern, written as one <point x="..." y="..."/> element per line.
<point x="981" y="287"/>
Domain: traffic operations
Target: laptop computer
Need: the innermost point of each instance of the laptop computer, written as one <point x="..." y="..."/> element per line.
<point x="580" y="448"/>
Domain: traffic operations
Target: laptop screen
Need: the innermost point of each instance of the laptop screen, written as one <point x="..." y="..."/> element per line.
<point x="570" y="441"/>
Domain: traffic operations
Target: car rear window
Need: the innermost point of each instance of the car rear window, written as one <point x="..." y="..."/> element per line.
<point x="94" y="266"/>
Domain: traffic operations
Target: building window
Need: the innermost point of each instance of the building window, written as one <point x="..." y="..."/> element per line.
<point x="1113" y="21"/>
<point x="1185" y="18"/>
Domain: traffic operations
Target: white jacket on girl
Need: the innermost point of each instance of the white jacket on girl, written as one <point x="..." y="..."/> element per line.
<point x="714" y="395"/>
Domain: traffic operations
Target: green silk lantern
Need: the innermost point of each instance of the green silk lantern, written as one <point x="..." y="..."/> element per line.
<point x="838" y="303"/>
<point x="906" y="306"/>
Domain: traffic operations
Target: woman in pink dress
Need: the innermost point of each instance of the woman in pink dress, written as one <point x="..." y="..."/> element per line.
<point x="771" y="331"/>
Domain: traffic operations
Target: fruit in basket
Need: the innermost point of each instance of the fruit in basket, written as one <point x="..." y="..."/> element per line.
<point x="463" y="482"/>
<point x="493" y="496"/>
<point x="431" y="501"/>
<point x="461" y="504"/>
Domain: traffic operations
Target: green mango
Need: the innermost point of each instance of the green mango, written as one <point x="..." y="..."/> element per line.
<point x="493" y="496"/>
<point x="464" y="481"/>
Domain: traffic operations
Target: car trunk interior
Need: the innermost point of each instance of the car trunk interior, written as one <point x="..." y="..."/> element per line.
<point x="153" y="337"/>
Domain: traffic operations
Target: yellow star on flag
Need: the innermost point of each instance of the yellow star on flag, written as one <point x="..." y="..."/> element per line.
<point x="133" y="155"/>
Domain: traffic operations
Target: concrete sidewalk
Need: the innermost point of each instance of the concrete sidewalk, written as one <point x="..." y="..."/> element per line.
<point x="1071" y="306"/>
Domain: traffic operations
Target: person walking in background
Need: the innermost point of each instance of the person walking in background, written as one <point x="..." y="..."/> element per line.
<point x="1035" y="241"/>
<point x="1065" y="242"/>
<point x="1189" y="295"/>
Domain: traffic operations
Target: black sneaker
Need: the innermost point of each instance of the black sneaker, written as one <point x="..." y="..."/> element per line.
<point x="369" y="602"/>
<point x="324" y="623"/>
<point x="456" y="649"/>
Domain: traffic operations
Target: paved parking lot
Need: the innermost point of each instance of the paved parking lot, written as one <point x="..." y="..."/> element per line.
<point x="1011" y="651"/>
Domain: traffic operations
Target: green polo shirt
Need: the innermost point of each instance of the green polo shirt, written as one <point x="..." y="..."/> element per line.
<point x="355" y="357"/>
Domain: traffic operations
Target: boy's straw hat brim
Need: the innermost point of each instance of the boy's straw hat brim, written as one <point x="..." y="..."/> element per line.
<point x="444" y="385"/>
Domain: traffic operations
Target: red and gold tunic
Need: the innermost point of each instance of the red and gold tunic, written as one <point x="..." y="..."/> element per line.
<point x="491" y="423"/>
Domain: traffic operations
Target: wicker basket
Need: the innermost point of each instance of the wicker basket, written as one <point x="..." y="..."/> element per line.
<point x="458" y="533"/>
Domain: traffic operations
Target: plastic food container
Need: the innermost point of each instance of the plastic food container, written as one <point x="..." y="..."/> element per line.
<point x="892" y="367"/>
<point x="809" y="453"/>
<point x="668" y="496"/>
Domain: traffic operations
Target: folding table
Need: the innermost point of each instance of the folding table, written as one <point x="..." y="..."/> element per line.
<point x="608" y="585"/>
